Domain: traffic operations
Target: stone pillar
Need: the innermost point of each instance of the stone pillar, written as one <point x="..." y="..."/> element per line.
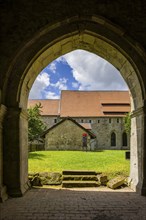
<point x="3" y="194"/>
<point x="138" y="151"/>
<point x="16" y="152"/>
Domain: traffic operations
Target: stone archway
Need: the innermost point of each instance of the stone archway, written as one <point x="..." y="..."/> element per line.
<point x="93" y="34"/>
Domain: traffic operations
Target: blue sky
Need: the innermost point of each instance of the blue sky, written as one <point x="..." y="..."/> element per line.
<point x="77" y="70"/>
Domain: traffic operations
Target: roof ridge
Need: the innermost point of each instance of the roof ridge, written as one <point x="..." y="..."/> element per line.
<point x="71" y="119"/>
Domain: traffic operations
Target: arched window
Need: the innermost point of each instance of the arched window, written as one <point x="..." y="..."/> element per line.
<point x="124" y="139"/>
<point x="113" y="139"/>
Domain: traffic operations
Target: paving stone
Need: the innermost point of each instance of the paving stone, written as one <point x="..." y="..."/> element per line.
<point x="74" y="204"/>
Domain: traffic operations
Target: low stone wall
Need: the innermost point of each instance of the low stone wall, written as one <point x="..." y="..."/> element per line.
<point x="36" y="147"/>
<point x="45" y="178"/>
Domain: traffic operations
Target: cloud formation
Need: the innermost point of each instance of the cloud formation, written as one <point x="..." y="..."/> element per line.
<point x="52" y="67"/>
<point x="61" y="84"/>
<point x="51" y="95"/>
<point x="75" y="85"/>
<point x="93" y="72"/>
<point x="79" y="70"/>
<point x="40" y="84"/>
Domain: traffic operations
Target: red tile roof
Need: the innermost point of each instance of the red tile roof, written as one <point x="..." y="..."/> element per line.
<point x="90" y="103"/>
<point x="86" y="104"/>
<point x="49" y="106"/>
<point x="86" y="125"/>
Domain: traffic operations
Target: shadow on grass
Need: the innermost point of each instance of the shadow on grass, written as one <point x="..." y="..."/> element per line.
<point x="94" y="151"/>
<point x="38" y="156"/>
<point x="99" y="151"/>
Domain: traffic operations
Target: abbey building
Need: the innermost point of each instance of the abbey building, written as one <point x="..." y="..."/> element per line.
<point x="100" y="112"/>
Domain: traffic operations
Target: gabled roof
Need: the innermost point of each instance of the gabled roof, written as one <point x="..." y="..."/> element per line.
<point x="94" y="103"/>
<point x="68" y="118"/>
<point x="49" y="106"/>
<point x="86" y="125"/>
<point x="86" y="104"/>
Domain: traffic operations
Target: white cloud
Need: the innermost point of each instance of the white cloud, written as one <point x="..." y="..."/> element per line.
<point x="41" y="82"/>
<point x="61" y="60"/>
<point x="52" y="67"/>
<point x="61" y="84"/>
<point x="90" y="72"/>
<point x="51" y="95"/>
<point x="75" y="85"/>
<point x="93" y="72"/>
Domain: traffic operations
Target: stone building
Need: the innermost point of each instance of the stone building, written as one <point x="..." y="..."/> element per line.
<point x="67" y="135"/>
<point x="32" y="39"/>
<point x="103" y="111"/>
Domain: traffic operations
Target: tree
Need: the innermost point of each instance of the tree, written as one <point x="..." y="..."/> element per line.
<point x="127" y="123"/>
<point x="35" y="125"/>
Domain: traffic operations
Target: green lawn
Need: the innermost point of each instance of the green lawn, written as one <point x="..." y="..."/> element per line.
<point x="108" y="162"/>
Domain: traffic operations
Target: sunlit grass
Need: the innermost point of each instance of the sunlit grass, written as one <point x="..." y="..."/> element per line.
<point x="111" y="163"/>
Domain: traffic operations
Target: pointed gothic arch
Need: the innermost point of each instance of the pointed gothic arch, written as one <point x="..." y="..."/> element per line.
<point x="91" y="33"/>
<point x="113" y="139"/>
<point x="124" y="139"/>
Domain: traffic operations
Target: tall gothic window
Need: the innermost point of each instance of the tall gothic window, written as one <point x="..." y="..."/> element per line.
<point x="113" y="139"/>
<point x="124" y="139"/>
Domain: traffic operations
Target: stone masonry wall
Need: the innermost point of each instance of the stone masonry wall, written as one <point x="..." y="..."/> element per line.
<point x="50" y="120"/>
<point x="102" y="128"/>
<point x="65" y="136"/>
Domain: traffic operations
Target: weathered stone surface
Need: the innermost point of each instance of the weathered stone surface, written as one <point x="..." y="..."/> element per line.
<point x="128" y="181"/>
<point x="103" y="140"/>
<point x="3" y="194"/>
<point x="33" y="174"/>
<point x="69" y="184"/>
<point x="43" y="174"/>
<point x="30" y="178"/>
<point x="3" y="190"/>
<point x="79" y="178"/>
<point x="65" y="136"/>
<point x="36" y="181"/>
<point x="36" y="146"/>
<point x="102" y="179"/>
<point x="54" y="178"/>
<point x="45" y="178"/>
<point x="116" y="182"/>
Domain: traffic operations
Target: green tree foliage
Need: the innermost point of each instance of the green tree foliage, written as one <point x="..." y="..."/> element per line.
<point x="127" y="123"/>
<point x="35" y="125"/>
